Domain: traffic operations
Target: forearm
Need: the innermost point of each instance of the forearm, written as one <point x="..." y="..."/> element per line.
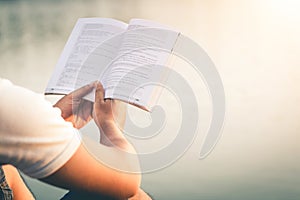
<point x="113" y="168"/>
<point x="112" y="136"/>
<point x="98" y="177"/>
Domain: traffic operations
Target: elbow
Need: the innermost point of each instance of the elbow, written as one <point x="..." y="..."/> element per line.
<point x="131" y="186"/>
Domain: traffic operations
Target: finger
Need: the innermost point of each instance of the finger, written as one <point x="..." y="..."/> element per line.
<point x="99" y="101"/>
<point x="81" y="92"/>
<point x="99" y="97"/>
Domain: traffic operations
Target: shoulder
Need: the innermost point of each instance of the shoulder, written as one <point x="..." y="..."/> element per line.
<point x="21" y="107"/>
<point x="31" y="129"/>
<point x="9" y="90"/>
<point x="26" y="113"/>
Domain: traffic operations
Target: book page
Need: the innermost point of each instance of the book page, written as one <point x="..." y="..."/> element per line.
<point x="143" y="53"/>
<point x="73" y="69"/>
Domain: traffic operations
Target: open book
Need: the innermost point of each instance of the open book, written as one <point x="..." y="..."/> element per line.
<point x="129" y="59"/>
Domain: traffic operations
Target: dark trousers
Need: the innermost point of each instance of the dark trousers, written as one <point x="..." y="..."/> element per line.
<point x="73" y="195"/>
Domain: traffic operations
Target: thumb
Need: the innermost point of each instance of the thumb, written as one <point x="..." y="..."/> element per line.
<point x="100" y="93"/>
<point x="81" y="92"/>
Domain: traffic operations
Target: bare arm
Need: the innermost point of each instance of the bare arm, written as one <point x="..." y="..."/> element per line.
<point x="110" y="120"/>
<point x="84" y="173"/>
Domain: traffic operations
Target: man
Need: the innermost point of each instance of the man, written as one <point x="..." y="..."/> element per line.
<point x="37" y="140"/>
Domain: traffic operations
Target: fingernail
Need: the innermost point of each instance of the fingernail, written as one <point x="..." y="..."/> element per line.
<point x="93" y="83"/>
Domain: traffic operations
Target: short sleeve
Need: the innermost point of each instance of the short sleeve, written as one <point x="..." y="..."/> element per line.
<point x="33" y="135"/>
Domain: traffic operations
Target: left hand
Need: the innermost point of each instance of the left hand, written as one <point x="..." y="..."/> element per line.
<point x="75" y="109"/>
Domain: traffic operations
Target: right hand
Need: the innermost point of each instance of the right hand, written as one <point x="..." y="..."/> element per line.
<point x="109" y="115"/>
<point x="103" y="108"/>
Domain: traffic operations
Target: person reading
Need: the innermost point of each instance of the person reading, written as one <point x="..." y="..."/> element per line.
<point x="36" y="139"/>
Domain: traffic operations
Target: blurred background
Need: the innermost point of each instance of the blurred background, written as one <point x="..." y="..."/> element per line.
<point x="255" y="47"/>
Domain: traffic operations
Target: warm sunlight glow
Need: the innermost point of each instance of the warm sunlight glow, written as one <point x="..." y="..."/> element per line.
<point x="287" y="8"/>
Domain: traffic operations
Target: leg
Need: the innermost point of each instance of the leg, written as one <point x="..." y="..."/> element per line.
<point x="16" y="183"/>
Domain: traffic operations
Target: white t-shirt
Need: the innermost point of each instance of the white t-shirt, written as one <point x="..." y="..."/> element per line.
<point x="33" y="135"/>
